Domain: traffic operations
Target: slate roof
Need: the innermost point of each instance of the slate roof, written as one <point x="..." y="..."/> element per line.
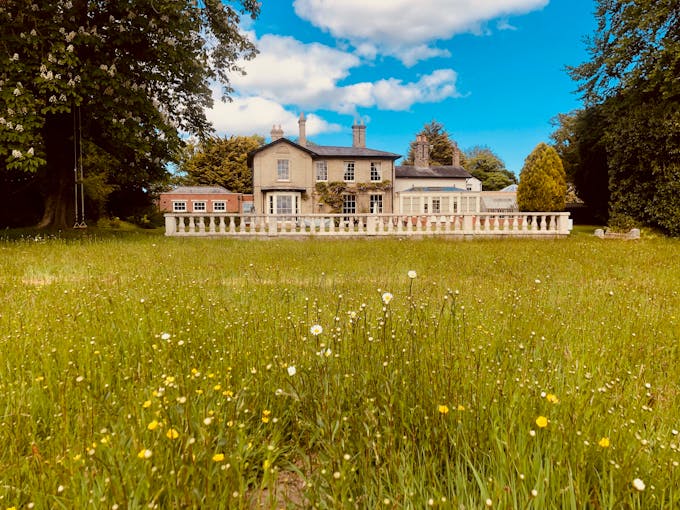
<point x="431" y="172"/>
<point x="198" y="190"/>
<point x="328" y="151"/>
<point x="353" y="152"/>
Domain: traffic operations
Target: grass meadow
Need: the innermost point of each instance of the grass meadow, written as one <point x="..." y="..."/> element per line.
<point x="148" y="372"/>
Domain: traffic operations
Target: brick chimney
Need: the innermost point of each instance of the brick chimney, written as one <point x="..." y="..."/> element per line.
<point x="302" y="139"/>
<point x="359" y="135"/>
<point x="422" y="152"/>
<point x="276" y="132"/>
<point x="456" y="156"/>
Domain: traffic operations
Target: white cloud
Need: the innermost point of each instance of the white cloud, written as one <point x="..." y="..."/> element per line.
<point x="405" y="28"/>
<point x="291" y="72"/>
<point x="257" y="115"/>
<point x="309" y="77"/>
<point x="504" y="24"/>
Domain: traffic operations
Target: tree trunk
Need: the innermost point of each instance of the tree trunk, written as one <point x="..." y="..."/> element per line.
<point x="60" y="178"/>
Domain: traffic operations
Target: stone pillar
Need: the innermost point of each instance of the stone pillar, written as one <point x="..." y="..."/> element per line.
<point x="170" y="225"/>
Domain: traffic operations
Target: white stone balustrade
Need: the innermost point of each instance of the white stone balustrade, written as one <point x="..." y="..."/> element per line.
<point x="540" y="224"/>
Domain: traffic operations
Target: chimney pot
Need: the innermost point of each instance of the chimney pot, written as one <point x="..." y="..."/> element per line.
<point x="276" y="132"/>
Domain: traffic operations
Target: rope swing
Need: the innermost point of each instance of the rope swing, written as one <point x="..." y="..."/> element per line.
<point x="78" y="170"/>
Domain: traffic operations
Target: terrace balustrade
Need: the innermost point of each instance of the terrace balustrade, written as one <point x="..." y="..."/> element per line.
<point x="538" y="224"/>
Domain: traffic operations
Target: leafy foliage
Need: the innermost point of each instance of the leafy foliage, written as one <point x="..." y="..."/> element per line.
<point x="486" y="166"/>
<point x="636" y="46"/>
<point x="331" y="193"/>
<point x="441" y="145"/>
<point x="643" y="141"/>
<point x="134" y="72"/>
<point x="632" y="96"/>
<point x="542" y="183"/>
<point x="579" y="141"/>
<point x="223" y="162"/>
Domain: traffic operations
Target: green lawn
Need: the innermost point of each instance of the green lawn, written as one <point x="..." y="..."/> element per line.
<point x="140" y="371"/>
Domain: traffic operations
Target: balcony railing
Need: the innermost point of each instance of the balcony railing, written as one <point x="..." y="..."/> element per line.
<point x="538" y="224"/>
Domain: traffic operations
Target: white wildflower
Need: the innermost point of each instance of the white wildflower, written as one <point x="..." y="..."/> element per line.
<point x="638" y="485"/>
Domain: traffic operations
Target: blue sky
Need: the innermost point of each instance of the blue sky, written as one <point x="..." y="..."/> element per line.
<point x="491" y="71"/>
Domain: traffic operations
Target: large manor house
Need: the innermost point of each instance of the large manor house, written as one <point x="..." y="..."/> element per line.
<point x="300" y="178"/>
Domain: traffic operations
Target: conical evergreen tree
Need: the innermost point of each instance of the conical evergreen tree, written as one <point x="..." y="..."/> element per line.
<point x="542" y="182"/>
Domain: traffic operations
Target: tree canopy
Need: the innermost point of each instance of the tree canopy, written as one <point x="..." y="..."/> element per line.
<point x="579" y="141"/>
<point x="489" y="168"/>
<point x="542" y="184"/>
<point x="441" y="145"/>
<point x="124" y="75"/>
<point x="222" y="161"/>
<point x="632" y="109"/>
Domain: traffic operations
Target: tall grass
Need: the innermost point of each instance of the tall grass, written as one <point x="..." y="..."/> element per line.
<point x="147" y="372"/>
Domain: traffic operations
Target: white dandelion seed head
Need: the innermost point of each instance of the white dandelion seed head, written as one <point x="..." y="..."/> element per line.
<point x="412" y="274"/>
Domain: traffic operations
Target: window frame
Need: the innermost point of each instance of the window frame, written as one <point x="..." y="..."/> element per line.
<point x="376" y="198"/>
<point x="273" y="203"/>
<point x="219" y="203"/>
<point x="196" y="204"/>
<point x="350" y="172"/>
<point x="176" y="203"/>
<point x="376" y="171"/>
<point x="323" y="166"/>
<point x="280" y="176"/>
<point x="349" y="203"/>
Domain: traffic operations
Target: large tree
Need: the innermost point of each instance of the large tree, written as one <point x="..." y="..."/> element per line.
<point x="124" y="75"/>
<point x="489" y="168"/>
<point x="441" y="145"/>
<point x="632" y="82"/>
<point x="579" y="141"/>
<point x="542" y="183"/>
<point x="222" y="161"/>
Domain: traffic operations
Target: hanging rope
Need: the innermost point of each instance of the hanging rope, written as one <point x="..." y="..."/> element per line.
<point x="75" y="168"/>
<point x="82" y="177"/>
<point x="78" y="165"/>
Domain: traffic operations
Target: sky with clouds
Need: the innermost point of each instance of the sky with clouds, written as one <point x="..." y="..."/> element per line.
<point x="491" y="71"/>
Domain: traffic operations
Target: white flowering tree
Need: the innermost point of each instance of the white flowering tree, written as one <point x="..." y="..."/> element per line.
<point x="125" y="75"/>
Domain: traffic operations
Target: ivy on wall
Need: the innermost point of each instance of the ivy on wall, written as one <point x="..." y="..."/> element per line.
<point x="330" y="193"/>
